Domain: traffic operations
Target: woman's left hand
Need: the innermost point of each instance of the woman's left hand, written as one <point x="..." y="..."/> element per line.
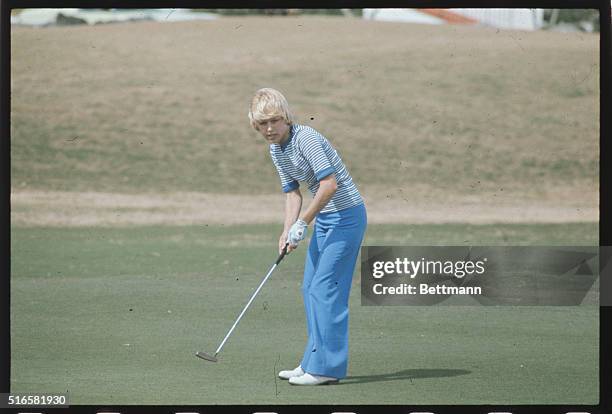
<point x="297" y="232"/>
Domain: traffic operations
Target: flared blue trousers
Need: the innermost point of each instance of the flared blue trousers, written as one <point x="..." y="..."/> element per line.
<point x="328" y="274"/>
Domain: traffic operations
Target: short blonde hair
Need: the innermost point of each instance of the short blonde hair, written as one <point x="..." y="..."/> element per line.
<point x="268" y="103"/>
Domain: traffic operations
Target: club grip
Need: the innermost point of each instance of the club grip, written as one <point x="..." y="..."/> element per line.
<point x="283" y="253"/>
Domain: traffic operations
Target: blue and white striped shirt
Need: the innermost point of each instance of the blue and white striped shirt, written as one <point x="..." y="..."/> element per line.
<point x="308" y="156"/>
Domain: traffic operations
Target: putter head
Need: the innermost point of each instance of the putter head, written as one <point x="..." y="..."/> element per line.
<point x="206" y="356"/>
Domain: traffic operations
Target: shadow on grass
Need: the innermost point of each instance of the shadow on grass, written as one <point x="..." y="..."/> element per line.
<point x="407" y="374"/>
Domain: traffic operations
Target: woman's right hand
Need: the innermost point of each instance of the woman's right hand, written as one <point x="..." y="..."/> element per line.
<point x="282" y="241"/>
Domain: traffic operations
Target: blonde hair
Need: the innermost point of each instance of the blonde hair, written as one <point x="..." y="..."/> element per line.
<point x="268" y="103"/>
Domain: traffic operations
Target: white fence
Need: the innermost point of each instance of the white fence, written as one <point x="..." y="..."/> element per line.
<point x="517" y="19"/>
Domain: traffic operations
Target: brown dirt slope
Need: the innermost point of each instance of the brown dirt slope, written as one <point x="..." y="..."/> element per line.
<point x="436" y="115"/>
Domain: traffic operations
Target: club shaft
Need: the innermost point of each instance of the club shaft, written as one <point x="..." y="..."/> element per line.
<point x="246" y="307"/>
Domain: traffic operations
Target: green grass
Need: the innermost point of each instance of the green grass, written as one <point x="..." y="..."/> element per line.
<point x="79" y="296"/>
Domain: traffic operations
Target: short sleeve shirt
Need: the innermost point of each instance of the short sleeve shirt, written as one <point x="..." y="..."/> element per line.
<point x="308" y="156"/>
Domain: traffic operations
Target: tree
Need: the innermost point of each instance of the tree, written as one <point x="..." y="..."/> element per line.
<point x="583" y="19"/>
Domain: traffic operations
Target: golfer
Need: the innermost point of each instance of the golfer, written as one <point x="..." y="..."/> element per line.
<point x="302" y="154"/>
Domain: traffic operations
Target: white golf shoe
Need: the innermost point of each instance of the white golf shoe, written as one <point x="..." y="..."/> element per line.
<point x="310" y="379"/>
<point x="296" y="372"/>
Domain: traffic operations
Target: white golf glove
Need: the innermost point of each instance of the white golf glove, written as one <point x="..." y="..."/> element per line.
<point x="297" y="232"/>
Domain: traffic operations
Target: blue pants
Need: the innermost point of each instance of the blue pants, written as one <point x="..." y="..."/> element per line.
<point x="328" y="274"/>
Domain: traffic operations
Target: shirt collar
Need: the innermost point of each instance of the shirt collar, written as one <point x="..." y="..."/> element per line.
<point x="291" y="132"/>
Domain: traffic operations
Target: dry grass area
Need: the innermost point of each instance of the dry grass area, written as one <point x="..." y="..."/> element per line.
<point x="428" y="118"/>
<point x="72" y="209"/>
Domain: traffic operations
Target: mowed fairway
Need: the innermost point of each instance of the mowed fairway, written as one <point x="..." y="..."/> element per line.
<point x="115" y="316"/>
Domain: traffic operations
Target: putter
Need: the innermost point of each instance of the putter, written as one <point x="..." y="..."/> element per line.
<point x="213" y="358"/>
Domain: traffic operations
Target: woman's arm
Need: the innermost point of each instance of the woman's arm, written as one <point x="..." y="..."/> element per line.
<point x="293" y="206"/>
<point x="327" y="189"/>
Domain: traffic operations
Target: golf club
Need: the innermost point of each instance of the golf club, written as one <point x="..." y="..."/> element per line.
<point x="213" y="358"/>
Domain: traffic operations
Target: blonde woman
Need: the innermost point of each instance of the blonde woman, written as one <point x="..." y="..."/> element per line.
<point x="301" y="154"/>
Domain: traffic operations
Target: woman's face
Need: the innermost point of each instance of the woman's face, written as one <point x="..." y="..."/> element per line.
<point x="275" y="130"/>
